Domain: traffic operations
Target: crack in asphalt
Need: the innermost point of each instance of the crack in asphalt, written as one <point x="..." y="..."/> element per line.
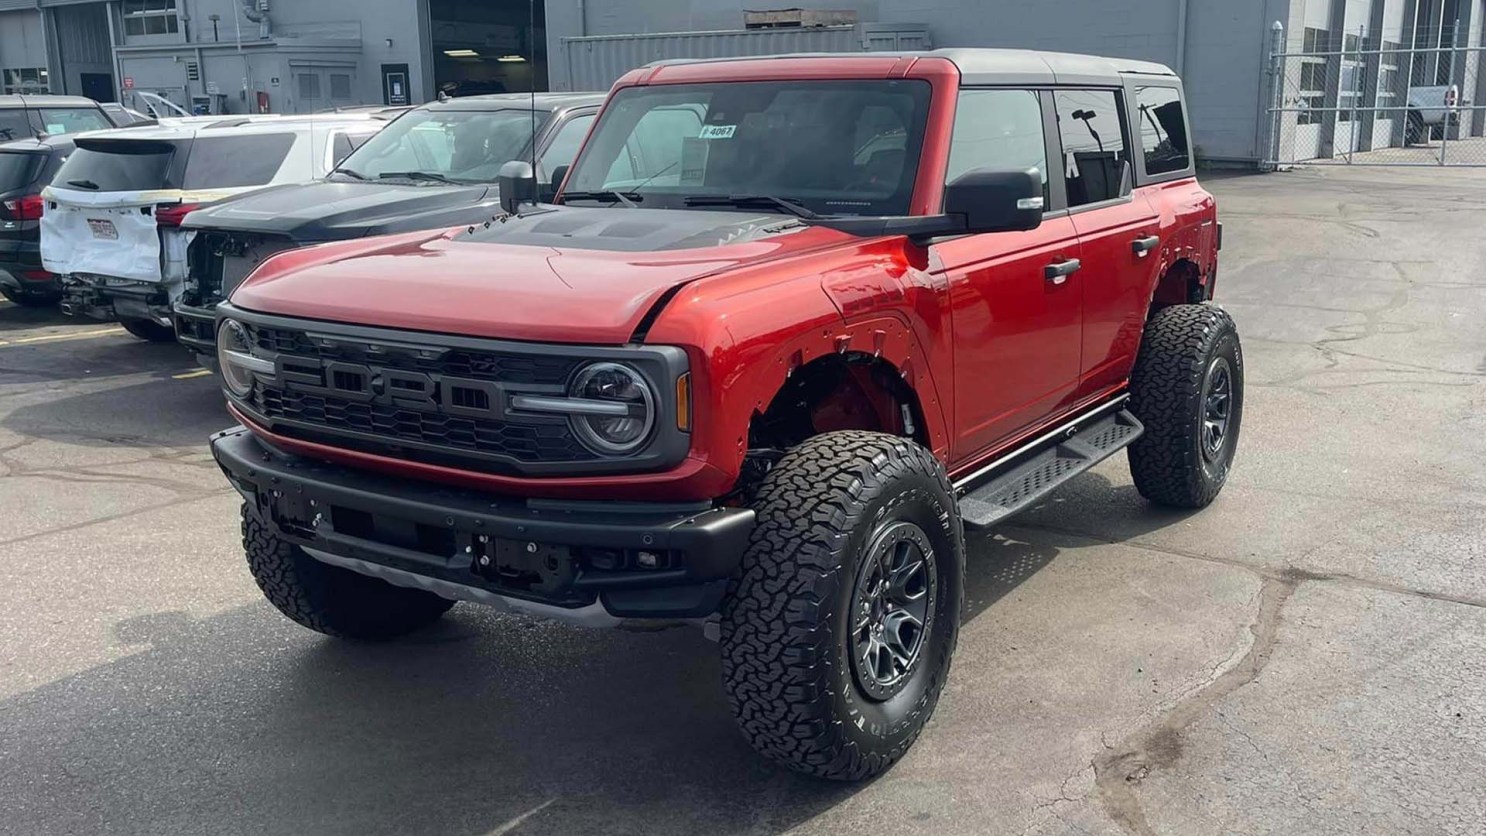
<point x="1119" y="772"/>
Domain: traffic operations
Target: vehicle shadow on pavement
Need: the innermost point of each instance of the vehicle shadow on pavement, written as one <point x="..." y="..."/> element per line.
<point x="15" y="317"/>
<point x="161" y="411"/>
<point x="245" y="723"/>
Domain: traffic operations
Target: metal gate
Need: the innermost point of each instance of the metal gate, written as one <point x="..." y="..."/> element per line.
<point x="1355" y="99"/>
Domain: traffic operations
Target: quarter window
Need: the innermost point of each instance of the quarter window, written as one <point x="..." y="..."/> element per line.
<point x="1163" y="130"/>
<point x="1094" y="153"/>
<point x="998" y="130"/>
<point x="150" y="17"/>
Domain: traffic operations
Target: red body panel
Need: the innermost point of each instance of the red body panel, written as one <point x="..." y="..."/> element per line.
<point x="995" y="351"/>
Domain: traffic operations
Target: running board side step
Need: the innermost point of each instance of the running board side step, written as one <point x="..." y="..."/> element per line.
<point x="1045" y="470"/>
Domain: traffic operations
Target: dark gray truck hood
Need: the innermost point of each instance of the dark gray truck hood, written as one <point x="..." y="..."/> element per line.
<point x="310" y="213"/>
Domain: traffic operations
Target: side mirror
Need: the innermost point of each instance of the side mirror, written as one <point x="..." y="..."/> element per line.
<point x="517" y="183"/>
<point x="996" y="201"/>
<point x="549" y="190"/>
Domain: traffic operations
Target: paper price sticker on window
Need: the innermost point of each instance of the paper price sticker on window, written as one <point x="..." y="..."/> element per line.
<point x="718" y="131"/>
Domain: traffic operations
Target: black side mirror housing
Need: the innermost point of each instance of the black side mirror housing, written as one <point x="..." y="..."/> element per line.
<point x="517" y="183"/>
<point x="996" y="201"/>
<point x="548" y="191"/>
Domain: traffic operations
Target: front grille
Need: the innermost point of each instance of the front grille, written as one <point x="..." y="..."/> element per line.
<point x="478" y="365"/>
<point x="524" y="442"/>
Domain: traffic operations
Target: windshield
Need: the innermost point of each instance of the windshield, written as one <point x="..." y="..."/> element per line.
<point x="465" y="146"/>
<point x="833" y="147"/>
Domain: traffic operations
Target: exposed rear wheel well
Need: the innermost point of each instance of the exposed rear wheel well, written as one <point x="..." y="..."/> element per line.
<point x="1181" y="284"/>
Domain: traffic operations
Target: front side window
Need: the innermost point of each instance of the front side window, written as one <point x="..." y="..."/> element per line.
<point x="1163" y="129"/>
<point x="150" y="17"/>
<point x="833" y="147"/>
<point x="70" y="120"/>
<point x="564" y="146"/>
<point x="1094" y="153"/>
<point x="999" y="130"/>
<point x="464" y="146"/>
<point x="225" y="162"/>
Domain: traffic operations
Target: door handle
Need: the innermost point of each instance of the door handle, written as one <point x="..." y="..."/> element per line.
<point x="1141" y="246"/>
<point x="1059" y="271"/>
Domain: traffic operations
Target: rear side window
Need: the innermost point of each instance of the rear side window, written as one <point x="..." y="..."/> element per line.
<point x="1163" y="130"/>
<point x="1094" y="153"/>
<point x="224" y="162"/>
<point x="70" y="120"/>
<point x="117" y="166"/>
<point x="13" y="124"/>
<point x="17" y="171"/>
<point x="999" y="130"/>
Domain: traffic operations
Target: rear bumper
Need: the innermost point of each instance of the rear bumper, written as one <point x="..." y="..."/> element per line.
<point x="567" y="560"/>
<point x="102" y="298"/>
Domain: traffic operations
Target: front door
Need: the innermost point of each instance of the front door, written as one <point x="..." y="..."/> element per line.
<point x="98" y="86"/>
<point x="1016" y="297"/>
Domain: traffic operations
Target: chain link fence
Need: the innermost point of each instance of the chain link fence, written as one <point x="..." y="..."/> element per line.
<point x="1354" y="99"/>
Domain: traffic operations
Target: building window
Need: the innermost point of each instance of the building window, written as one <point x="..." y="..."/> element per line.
<point x="1388" y="77"/>
<point x="1313" y="73"/>
<point x="150" y="17"/>
<point x="340" y="86"/>
<point x="27" y="80"/>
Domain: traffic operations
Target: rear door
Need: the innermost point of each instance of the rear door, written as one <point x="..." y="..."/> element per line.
<point x="100" y="208"/>
<point x="1118" y="232"/>
<point x="1016" y="296"/>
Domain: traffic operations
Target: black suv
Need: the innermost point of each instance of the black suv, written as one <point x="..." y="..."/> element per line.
<point x="26" y="117"/>
<point x="26" y="167"/>
<point x="434" y="167"/>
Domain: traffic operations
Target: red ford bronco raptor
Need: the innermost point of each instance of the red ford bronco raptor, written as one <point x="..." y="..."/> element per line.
<point x="791" y="325"/>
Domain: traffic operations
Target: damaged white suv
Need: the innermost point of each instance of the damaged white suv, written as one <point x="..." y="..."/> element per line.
<point x="112" y="215"/>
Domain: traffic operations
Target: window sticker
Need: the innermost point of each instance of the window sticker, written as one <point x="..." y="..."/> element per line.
<point x="693" y="161"/>
<point x="718" y="131"/>
<point x="56" y="128"/>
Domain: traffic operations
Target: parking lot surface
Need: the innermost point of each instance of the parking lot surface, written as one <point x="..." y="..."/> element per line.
<point x="1308" y="655"/>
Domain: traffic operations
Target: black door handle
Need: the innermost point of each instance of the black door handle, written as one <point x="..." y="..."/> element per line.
<point x="1141" y="246"/>
<point x="1059" y="271"/>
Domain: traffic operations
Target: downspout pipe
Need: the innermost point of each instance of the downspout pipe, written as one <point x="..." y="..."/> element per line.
<point x="1182" y="8"/>
<point x="257" y="12"/>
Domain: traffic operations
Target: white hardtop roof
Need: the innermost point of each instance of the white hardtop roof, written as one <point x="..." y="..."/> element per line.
<point x="189" y="127"/>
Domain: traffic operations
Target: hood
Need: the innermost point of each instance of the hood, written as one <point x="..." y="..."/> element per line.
<point x="335" y="211"/>
<point x="568" y="274"/>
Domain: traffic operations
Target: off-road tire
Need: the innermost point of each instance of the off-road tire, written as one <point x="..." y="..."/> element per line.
<point x="1183" y="348"/>
<point x="786" y="636"/>
<point x="329" y="599"/>
<point x="30" y="300"/>
<point x="147" y="330"/>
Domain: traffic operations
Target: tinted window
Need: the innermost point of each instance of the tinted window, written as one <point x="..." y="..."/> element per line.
<point x="18" y="170"/>
<point x="1163" y="130"/>
<point x="830" y="145"/>
<point x="1000" y="130"/>
<point x="564" y="146"/>
<point x="344" y="144"/>
<point x="221" y="162"/>
<point x="116" y="166"/>
<point x="70" y="120"/>
<point x="13" y="124"/>
<point x="1094" y="151"/>
<point x="462" y="145"/>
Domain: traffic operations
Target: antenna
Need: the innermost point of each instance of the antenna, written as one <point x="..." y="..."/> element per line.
<point x="531" y="69"/>
<point x="36" y="134"/>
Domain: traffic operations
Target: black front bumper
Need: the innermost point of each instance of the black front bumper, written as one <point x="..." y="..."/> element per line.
<point x="638" y="560"/>
<point x="196" y="329"/>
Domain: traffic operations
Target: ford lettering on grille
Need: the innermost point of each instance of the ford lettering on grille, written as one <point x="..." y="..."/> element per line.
<point x="392" y="387"/>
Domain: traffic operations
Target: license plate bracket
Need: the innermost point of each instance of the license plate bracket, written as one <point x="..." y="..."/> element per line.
<point x="103" y="229"/>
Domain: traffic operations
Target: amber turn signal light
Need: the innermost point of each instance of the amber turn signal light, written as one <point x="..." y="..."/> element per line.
<point x="683" y="402"/>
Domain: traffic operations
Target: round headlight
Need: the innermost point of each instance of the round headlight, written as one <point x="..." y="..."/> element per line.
<point x="232" y="343"/>
<point x="616" y="433"/>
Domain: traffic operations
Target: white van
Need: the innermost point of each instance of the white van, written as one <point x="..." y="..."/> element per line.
<point x="111" y="221"/>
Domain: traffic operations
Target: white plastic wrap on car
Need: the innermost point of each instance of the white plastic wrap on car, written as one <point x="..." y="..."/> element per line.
<point x="109" y="234"/>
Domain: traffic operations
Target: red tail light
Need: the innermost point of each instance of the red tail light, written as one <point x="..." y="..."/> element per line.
<point x="173" y="215"/>
<point x="26" y="208"/>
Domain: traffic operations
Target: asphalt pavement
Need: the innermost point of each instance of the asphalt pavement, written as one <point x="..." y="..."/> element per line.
<point x="1304" y="656"/>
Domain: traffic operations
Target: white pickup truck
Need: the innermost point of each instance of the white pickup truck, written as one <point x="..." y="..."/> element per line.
<point x="1429" y="108"/>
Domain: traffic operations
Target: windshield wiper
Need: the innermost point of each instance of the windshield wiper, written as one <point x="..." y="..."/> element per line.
<point x="627" y="198"/>
<point x="745" y="200"/>
<point x="349" y="173"/>
<point x="83" y="184"/>
<point x="429" y="176"/>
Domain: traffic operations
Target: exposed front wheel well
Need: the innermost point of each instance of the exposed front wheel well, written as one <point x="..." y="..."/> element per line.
<point x="850" y="391"/>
